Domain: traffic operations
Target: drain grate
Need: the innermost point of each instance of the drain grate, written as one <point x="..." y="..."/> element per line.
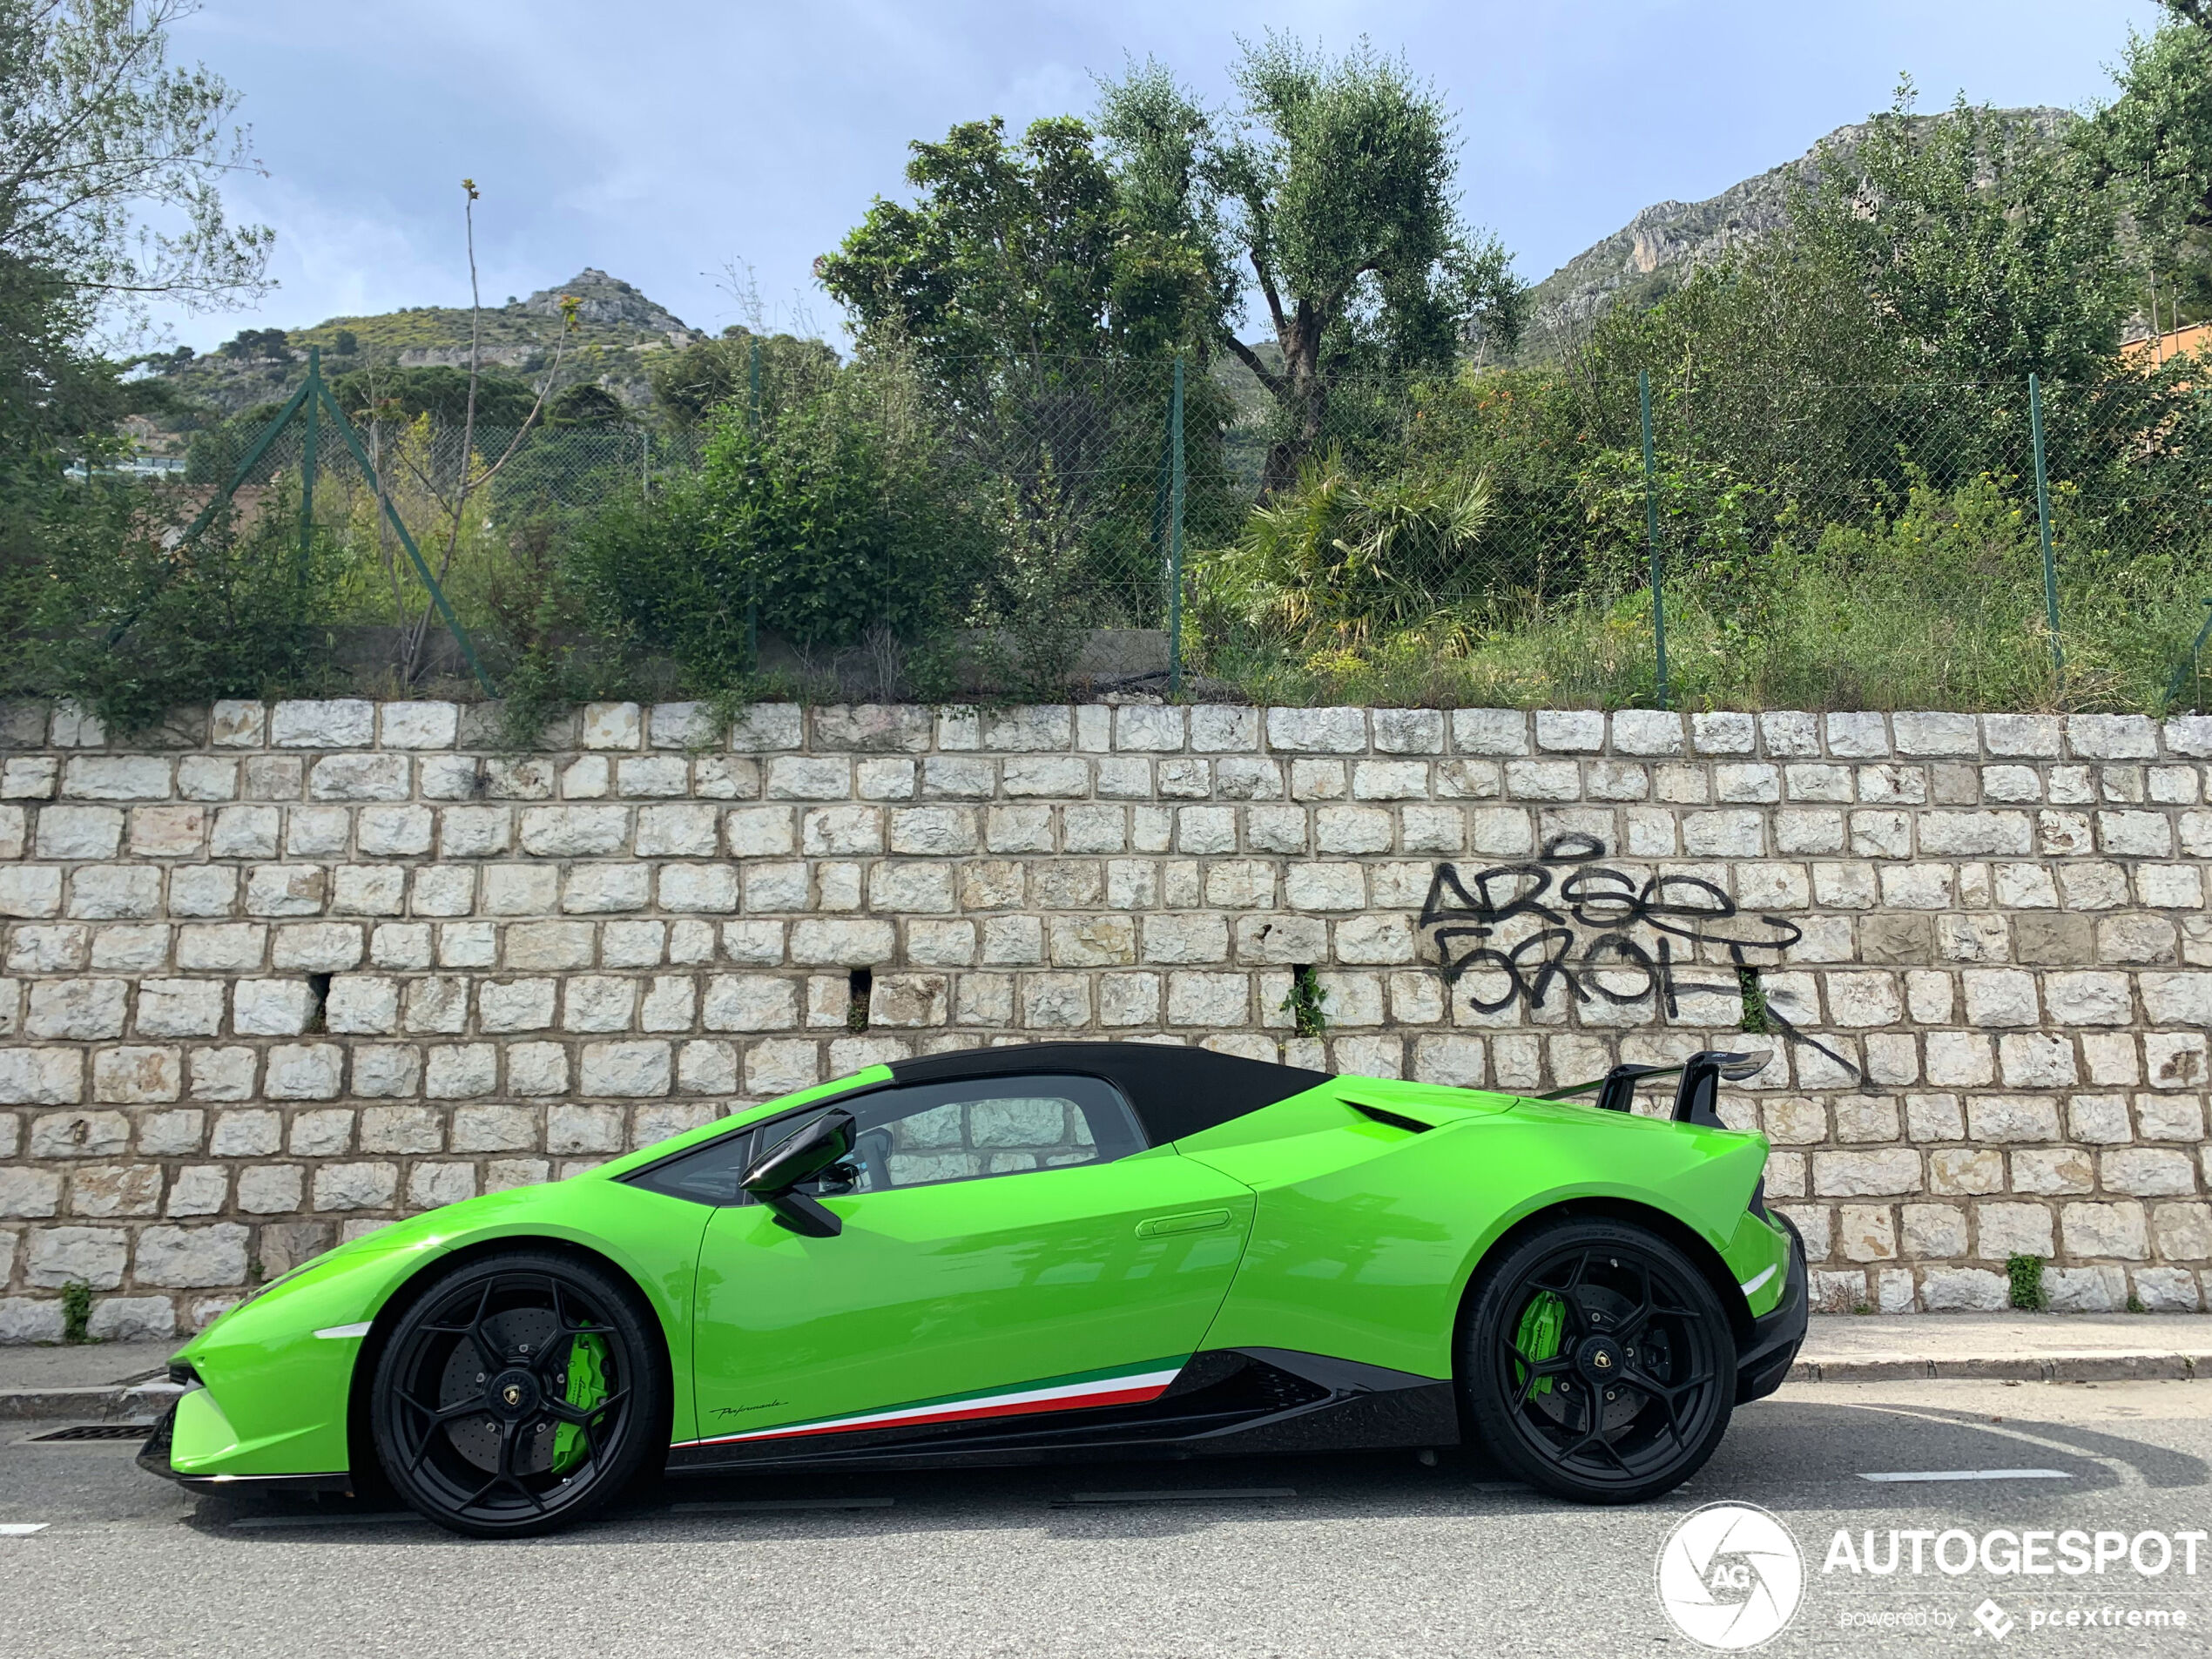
<point x="92" y="1432"/>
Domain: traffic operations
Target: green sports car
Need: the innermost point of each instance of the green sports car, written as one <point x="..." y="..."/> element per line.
<point x="1017" y="1254"/>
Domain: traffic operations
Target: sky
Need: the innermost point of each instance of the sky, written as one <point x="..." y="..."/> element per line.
<point x="675" y="142"/>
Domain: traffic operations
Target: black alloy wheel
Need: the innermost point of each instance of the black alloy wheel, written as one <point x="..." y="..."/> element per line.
<point x="518" y="1393"/>
<point x="1597" y="1362"/>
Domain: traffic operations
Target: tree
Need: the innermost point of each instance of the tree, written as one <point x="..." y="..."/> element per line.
<point x="1015" y="252"/>
<point x="692" y="383"/>
<point x="2152" y="146"/>
<point x="1041" y="314"/>
<point x="111" y="159"/>
<point x="258" y="345"/>
<point x="384" y="394"/>
<point x="96" y="129"/>
<point x="1333" y="182"/>
<point x="586" y="403"/>
<point x="1985" y="245"/>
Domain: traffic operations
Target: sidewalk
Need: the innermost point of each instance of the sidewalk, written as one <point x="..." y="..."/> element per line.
<point x="92" y="1380"/>
<point x="2007" y="1347"/>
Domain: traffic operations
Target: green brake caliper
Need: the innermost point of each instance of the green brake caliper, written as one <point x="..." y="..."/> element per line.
<point x="587" y="1387"/>
<point x="1543" y="1323"/>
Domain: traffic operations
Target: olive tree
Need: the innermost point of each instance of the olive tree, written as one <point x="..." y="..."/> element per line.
<point x="1327" y="193"/>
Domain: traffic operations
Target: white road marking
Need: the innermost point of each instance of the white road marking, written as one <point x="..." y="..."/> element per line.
<point x="764" y="1505"/>
<point x="20" y="1528"/>
<point x="1971" y="1475"/>
<point x="1182" y="1497"/>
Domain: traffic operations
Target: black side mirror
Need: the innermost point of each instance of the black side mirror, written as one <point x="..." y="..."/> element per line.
<point x="801" y="1157"/>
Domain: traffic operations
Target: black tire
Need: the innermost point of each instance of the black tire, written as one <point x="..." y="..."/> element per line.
<point x="519" y="1393"/>
<point x="1588" y="1313"/>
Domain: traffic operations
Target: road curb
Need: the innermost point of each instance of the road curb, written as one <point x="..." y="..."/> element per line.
<point x="2058" y="1367"/>
<point x="104" y="1404"/>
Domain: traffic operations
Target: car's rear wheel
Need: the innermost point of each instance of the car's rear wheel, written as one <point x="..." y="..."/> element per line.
<point x="1596" y="1362"/>
<point x="518" y="1393"/>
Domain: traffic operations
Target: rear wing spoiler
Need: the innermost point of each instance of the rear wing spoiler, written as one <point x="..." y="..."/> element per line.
<point x="1694" y="1096"/>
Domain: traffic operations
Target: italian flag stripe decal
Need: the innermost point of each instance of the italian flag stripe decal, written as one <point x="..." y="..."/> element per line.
<point x="1129" y="1385"/>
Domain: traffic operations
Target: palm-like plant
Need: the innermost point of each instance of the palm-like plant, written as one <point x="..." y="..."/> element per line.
<point x="1345" y="555"/>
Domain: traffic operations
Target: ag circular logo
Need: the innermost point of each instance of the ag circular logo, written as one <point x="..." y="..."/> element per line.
<point x="1730" y="1576"/>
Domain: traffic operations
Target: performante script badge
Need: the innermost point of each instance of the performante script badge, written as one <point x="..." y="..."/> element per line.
<point x="1730" y="1576"/>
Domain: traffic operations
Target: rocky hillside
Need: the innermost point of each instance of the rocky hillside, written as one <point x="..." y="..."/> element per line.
<point x="616" y="328"/>
<point x="1650" y="256"/>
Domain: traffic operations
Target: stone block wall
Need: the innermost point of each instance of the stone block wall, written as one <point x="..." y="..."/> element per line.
<point x="279" y="974"/>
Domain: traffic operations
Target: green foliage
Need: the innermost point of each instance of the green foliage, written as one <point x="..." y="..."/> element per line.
<point x="585" y="404"/>
<point x="131" y="628"/>
<point x="266" y="345"/>
<point x="387" y="393"/>
<point x="690" y="384"/>
<point x="2024" y="1283"/>
<point x="115" y="158"/>
<point x="1934" y="602"/>
<point x="1985" y="248"/>
<point x="1305" y="1003"/>
<point x="76" y="1311"/>
<point x="1335" y="554"/>
<point x="1757" y="1019"/>
<point x="53" y="391"/>
<point x="2152" y="147"/>
<point x="837" y="512"/>
<point x="1016" y="253"/>
<point x="1332" y="183"/>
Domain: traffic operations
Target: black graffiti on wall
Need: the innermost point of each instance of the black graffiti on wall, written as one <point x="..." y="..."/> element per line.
<point x="1564" y="924"/>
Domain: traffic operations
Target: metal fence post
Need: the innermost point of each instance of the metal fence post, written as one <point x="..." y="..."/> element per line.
<point x="1652" y="534"/>
<point x="2191" y="668"/>
<point x="2043" y="526"/>
<point x="1175" y="534"/>
<point x="308" y="465"/>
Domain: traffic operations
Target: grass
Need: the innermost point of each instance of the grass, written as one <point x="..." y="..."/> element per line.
<point x="76" y="1312"/>
<point x="1941" y="607"/>
<point x="2024" y="1283"/>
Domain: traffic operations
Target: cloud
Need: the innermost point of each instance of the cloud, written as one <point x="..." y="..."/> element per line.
<point x="660" y="141"/>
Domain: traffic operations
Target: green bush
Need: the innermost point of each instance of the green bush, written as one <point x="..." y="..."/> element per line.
<point x="111" y="615"/>
<point x="830" y="516"/>
<point x="2024" y="1276"/>
<point x="76" y="1311"/>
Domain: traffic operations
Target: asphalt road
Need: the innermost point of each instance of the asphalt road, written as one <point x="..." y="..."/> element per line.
<point x="1345" y="1556"/>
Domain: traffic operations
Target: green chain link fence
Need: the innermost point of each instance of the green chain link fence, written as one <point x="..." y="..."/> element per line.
<point x="1517" y="537"/>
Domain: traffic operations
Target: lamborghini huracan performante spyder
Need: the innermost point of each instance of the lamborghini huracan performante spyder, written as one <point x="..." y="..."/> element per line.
<point x="1013" y="1255"/>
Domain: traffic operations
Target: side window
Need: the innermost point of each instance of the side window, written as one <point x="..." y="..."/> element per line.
<point x="707" y="1174"/>
<point x="932" y="1133"/>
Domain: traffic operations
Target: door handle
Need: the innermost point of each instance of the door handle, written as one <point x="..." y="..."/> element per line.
<point x="1193" y="1221"/>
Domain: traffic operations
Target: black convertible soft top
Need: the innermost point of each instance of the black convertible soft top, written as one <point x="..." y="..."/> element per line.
<point x="1175" y="1091"/>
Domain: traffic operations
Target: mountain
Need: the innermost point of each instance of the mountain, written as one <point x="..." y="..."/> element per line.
<point x="617" y="327"/>
<point x="1653" y="253"/>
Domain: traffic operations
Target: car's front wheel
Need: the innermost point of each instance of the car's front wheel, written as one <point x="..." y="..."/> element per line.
<point x="518" y="1393"/>
<point x="1597" y="1361"/>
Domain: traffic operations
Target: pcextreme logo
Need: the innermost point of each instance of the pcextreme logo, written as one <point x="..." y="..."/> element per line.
<point x="1730" y="1576"/>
